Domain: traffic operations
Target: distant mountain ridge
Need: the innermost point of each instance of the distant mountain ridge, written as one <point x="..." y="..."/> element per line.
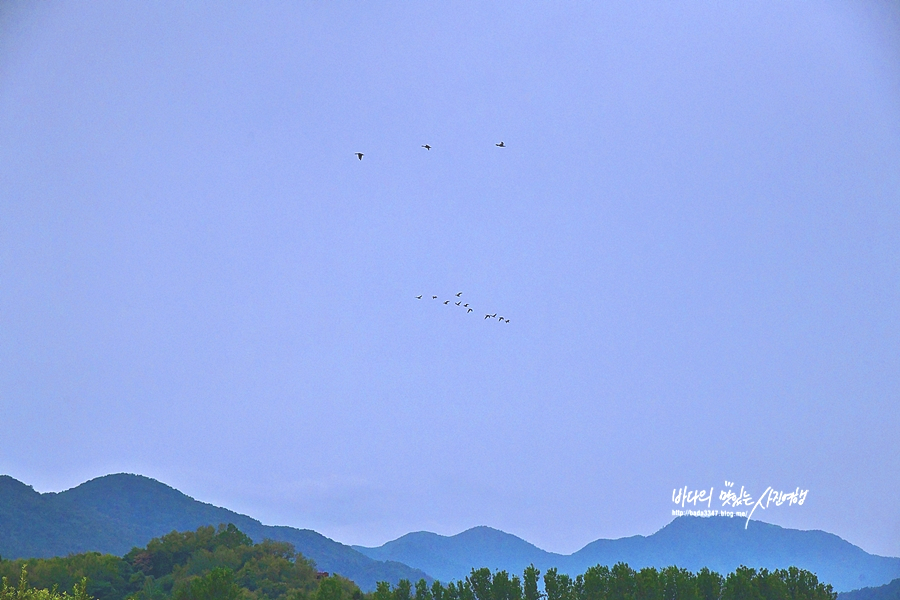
<point x="889" y="591"/>
<point x="719" y="543"/>
<point x="115" y="513"/>
<point x="449" y="558"/>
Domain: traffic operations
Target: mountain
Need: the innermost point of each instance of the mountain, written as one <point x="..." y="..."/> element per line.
<point x="451" y="558"/>
<point x="720" y="543"/>
<point x="116" y="513"/>
<point x="888" y="591"/>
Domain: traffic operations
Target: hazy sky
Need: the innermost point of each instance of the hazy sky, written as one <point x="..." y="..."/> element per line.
<point x="694" y="230"/>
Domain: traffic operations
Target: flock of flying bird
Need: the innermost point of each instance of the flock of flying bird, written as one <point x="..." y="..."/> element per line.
<point x="359" y="155"/>
<point x="459" y="303"/>
<point x="466" y="306"/>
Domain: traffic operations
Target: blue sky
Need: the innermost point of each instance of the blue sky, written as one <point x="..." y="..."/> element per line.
<point x="693" y="229"/>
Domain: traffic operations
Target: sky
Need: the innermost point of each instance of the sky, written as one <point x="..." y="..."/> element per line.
<point x="693" y="229"/>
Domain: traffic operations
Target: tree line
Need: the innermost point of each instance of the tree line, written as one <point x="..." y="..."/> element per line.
<point x="619" y="582"/>
<point x="224" y="564"/>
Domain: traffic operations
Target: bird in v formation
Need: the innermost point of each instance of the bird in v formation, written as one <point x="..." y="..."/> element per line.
<point x="466" y="306"/>
<point x="360" y="155"/>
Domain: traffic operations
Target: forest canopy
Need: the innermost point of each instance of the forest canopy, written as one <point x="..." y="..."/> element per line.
<point x="210" y="563"/>
<point x="620" y="582"/>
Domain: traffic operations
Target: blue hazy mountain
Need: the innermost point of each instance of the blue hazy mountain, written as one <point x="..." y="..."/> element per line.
<point x="888" y="591"/>
<point x="448" y="558"/>
<point x="720" y="543"/>
<point x="723" y="544"/>
<point x="116" y="513"/>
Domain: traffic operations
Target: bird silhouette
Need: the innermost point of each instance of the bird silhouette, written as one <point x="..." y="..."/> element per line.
<point x="426" y="146"/>
<point x="493" y="315"/>
<point x="500" y="145"/>
<point x="446" y="302"/>
<point x="458" y="294"/>
<point x="419" y="297"/>
<point x="457" y="303"/>
<point x="359" y="155"/>
<point x="434" y="297"/>
<point x="502" y="319"/>
<point x="466" y="305"/>
<point x="487" y="316"/>
<point x="468" y="311"/>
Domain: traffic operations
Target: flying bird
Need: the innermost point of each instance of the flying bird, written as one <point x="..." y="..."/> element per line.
<point x="502" y="319"/>
<point x="446" y="302"/>
<point x="487" y="316"/>
<point x="426" y="146"/>
<point x="359" y="155"/>
<point x="458" y="303"/>
<point x="468" y="311"/>
<point x="419" y="297"/>
<point x="500" y="145"/>
<point x="434" y="297"/>
<point x="458" y="294"/>
<point x="466" y="305"/>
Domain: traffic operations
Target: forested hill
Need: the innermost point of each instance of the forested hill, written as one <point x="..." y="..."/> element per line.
<point x="210" y="563"/>
<point x="116" y="513"/>
<point x="719" y="543"/>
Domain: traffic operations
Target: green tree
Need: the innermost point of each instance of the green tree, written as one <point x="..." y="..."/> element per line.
<point x="709" y="584"/>
<point x="504" y="587"/>
<point x="423" y="592"/>
<point x="403" y="591"/>
<point x="530" y="578"/>
<point x="480" y="580"/>
<point x="596" y="583"/>
<point x="803" y="585"/>
<point x="464" y="590"/>
<point x="231" y="537"/>
<point x="437" y="590"/>
<point x="679" y="584"/>
<point x="382" y="591"/>
<point x="330" y="589"/>
<point x="558" y="586"/>
<point x="218" y="584"/>
<point x="740" y="585"/>
<point x="770" y="586"/>
<point x="578" y="587"/>
<point x="24" y="592"/>
<point x="647" y="585"/>
<point x="621" y="582"/>
<point x="108" y="576"/>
